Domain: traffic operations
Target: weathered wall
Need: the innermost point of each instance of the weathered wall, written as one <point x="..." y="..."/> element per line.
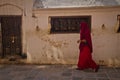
<point x="44" y="48"/>
<point x="105" y="41"/>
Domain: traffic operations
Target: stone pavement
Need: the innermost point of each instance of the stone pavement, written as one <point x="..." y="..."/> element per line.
<point x="56" y="72"/>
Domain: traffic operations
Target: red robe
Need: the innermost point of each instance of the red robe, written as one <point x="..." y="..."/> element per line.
<point x="85" y="56"/>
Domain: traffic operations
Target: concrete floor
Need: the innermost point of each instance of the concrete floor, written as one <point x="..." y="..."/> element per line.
<point x="56" y="72"/>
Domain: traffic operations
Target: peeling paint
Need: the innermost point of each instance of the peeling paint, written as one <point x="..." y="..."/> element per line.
<point x="29" y="57"/>
<point x="44" y="36"/>
<point x="114" y="62"/>
<point x="51" y="50"/>
<point x="55" y="54"/>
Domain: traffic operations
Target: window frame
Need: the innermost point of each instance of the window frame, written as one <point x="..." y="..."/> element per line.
<point x="72" y="22"/>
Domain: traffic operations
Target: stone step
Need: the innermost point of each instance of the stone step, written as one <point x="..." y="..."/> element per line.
<point x="12" y="60"/>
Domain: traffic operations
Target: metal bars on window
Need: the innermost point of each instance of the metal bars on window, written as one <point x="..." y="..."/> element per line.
<point x="67" y="24"/>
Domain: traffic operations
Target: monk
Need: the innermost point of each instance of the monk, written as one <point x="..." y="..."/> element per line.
<point x="85" y="56"/>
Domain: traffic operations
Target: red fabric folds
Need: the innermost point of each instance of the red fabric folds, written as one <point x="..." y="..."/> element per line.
<point x="85" y="34"/>
<point x="85" y="59"/>
<point x="85" y="56"/>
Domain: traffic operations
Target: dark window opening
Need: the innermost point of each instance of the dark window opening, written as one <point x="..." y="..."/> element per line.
<point x="118" y="30"/>
<point x="68" y="24"/>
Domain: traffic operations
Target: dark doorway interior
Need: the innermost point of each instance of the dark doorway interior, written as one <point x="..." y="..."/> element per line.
<point x="11" y="35"/>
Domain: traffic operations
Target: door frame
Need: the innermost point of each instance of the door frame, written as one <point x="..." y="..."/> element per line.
<point x="3" y="54"/>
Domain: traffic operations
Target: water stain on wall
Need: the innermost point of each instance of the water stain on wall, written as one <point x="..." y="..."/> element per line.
<point x="51" y="50"/>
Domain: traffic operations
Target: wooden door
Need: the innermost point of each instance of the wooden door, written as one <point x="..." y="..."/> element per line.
<point x="11" y="35"/>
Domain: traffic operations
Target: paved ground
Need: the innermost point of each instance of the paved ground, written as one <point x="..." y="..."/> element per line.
<point x="55" y="72"/>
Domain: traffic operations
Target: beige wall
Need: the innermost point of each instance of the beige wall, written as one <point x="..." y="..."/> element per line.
<point x="105" y="41"/>
<point x="44" y="48"/>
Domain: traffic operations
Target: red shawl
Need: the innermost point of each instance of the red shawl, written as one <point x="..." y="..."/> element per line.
<point x="85" y="34"/>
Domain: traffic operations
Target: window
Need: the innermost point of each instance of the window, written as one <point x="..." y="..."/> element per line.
<point x="118" y="29"/>
<point x="67" y="24"/>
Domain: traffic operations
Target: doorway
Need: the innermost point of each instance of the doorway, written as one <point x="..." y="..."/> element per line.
<point x="11" y="35"/>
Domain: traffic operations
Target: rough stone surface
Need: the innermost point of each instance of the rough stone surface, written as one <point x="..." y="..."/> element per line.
<point x="56" y="72"/>
<point x="73" y="3"/>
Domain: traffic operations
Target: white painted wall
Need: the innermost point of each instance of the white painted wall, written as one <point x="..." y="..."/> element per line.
<point x="105" y="41"/>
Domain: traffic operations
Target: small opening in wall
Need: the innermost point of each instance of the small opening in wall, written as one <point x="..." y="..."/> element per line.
<point x="33" y="15"/>
<point x="118" y="28"/>
<point x="37" y="28"/>
<point x="103" y="26"/>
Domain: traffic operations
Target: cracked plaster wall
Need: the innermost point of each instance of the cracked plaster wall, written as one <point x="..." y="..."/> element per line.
<point x="105" y="41"/>
<point x="50" y="49"/>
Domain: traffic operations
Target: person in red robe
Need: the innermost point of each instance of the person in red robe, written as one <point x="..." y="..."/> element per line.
<point x="85" y="57"/>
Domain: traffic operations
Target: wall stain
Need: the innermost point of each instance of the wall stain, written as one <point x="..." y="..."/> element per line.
<point x="44" y="36"/>
<point x="52" y="49"/>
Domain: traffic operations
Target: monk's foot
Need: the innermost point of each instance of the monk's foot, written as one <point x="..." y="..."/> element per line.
<point x="78" y="69"/>
<point x="96" y="69"/>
